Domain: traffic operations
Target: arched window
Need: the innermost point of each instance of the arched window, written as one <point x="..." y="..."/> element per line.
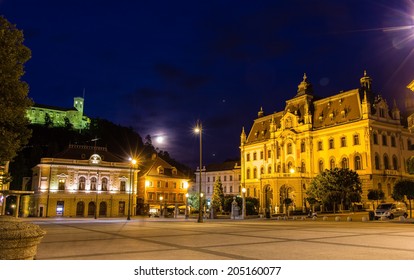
<point x="303" y="167"/>
<point x="255" y="173"/>
<point x="290" y="167"/>
<point x="344" y="163"/>
<point x="375" y="138"/>
<point x="289" y="148"/>
<point x="82" y="183"/>
<point x="394" y="162"/>
<point x="262" y="170"/>
<point x="386" y="163"/>
<point x="248" y="173"/>
<point x="269" y="169"/>
<point x="332" y="164"/>
<point x="93" y="183"/>
<point x="377" y="162"/>
<point x="321" y="167"/>
<point x="357" y="163"/>
<point x="104" y="184"/>
<point x="123" y="186"/>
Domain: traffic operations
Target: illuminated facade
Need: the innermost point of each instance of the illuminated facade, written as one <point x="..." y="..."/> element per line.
<point x="229" y="174"/>
<point x="57" y="116"/>
<point x="161" y="186"/>
<point x="83" y="181"/>
<point x="285" y="150"/>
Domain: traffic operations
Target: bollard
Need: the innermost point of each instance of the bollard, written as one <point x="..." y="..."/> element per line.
<point x="348" y="219"/>
<point x="337" y="219"/>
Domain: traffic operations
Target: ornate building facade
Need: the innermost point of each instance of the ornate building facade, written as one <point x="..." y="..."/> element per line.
<point x="83" y="181"/>
<point x="58" y="116"/>
<point x="285" y="150"/>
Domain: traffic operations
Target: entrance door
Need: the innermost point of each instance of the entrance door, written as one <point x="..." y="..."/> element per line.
<point x="121" y="209"/>
<point x="91" y="209"/>
<point x="59" y="208"/>
<point x="102" y="208"/>
<point x="80" y="209"/>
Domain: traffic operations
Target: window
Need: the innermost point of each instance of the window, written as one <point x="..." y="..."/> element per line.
<point x="384" y="140"/>
<point x="269" y="169"/>
<point x="356" y="139"/>
<point x="231" y="177"/>
<point x="320" y="145"/>
<point x="261" y="155"/>
<point x="158" y="184"/>
<point x="248" y="157"/>
<point x="331" y="143"/>
<point x="93" y="183"/>
<point x="289" y="148"/>
<point x="254" y="156"/>
<point x="332" y="164"/>
<point x="62" y="184"/>
<point x="377" y="162"/>
<point x="82" y="181"/>
<point x="302" y="147"/>
<point x="262" y="170"/>
<point x="375" y="138"/>
<point x="225" y="189"/>
<point x="394" y="163"/>
<point x="225" y="178"/>
<point x="104" y="184"/>
<point x="208" y="189"/>
<point x="231" y="189"/>
<point x="386" y="163"/>
<point x="122" y="186"/>
<point x="255" y="173"/>
<point x="248" y="173"/>
<point x="393" y="141"/>
<point x="174" y="185"/>
<point x="321" y="168"/>
<point x="343" y="141"/>
<point x="303" y="167"/>
<point x="269" y="154"/>
<point x="357" y="163"/>
<point x="344" y="163"/>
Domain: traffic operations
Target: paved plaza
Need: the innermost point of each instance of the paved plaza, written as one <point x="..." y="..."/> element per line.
<point x="179" y="239"/>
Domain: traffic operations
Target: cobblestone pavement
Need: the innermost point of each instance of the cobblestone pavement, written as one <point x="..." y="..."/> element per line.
<point x="255" y="239"/>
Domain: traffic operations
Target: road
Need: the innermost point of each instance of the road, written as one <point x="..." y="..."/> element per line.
<point x="255" y="239"/>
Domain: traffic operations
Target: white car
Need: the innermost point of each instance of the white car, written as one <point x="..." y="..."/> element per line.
<point x="391" y="210"/>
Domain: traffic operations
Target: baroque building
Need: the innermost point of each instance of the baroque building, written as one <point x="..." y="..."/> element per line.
<point x="59" y="116"/>
<point x="284" y="151"/>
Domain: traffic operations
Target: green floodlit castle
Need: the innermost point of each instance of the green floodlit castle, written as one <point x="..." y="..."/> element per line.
<point x="59" y="116"/>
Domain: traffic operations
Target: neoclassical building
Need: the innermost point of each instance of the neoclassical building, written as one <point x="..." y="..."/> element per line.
<point x="83" y="181"/>
<point x="59" y="116"/>
<point x="229" y="174"/>
<point x="284" y="151"/>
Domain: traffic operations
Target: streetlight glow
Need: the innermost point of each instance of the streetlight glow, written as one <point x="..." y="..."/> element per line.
<point x="199" y="130"/>
<point x="133" y="161"/>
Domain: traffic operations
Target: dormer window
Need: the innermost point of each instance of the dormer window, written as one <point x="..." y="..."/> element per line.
<point x="160" y="170"/>
<point x="174" y="171"/>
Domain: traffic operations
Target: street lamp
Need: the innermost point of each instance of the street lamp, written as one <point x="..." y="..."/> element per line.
<point x="186" y="199"/>
<point x="199" y="130"/>
<point x="133" y="162"/>
<point x="161" y="198"/>
<point x="244" y="203"/>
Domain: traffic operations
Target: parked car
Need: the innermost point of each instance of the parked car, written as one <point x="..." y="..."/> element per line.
<point x="391" y="210"/>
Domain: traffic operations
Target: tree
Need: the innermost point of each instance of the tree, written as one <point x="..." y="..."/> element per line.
<point x="217" y="199"/>
<point x="375" y="195"/>
<point x="404" y="188"/>
<point x="14" y="131"/>
<point x="339" y="185"/>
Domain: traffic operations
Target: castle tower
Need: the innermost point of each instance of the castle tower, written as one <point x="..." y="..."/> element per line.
<point x="78" y="104"/>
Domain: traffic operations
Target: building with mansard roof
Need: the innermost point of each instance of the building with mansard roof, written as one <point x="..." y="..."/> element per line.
<point x="284" y="151"/>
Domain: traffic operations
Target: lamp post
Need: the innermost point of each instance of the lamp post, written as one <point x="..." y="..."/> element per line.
<point x="244" y="203"/>
<point x="161" y="198"/>
<point x="199" y="130"/>
<point x="133" y="162"/>
<point x="186" y="199"/>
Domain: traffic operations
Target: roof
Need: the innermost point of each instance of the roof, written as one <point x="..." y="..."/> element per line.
<point x="85" y="152"/>
<point x="56" y="108"/>
<point x="151" y="168"/>
<point x="228" y="165"/>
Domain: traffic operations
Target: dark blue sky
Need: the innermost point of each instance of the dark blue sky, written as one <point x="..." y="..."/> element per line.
<point x="158" y="66"/>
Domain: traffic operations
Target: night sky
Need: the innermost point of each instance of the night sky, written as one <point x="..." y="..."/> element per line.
<point x="159" y="66"/>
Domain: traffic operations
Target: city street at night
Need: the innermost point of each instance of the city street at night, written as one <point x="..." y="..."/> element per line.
<point x="255" y="239"/>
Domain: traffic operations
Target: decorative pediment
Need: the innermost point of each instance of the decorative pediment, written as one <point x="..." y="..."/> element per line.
<point x="288" y="121"/>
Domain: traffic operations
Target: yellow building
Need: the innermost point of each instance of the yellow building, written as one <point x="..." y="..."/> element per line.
<point x="162" y="188"/>
<point x="83" y="181"/>
<point x="58" y="116"/>
<point x="284" y="151"/>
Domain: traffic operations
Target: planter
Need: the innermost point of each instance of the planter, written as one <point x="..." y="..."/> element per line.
<point x="18" y="240"/>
